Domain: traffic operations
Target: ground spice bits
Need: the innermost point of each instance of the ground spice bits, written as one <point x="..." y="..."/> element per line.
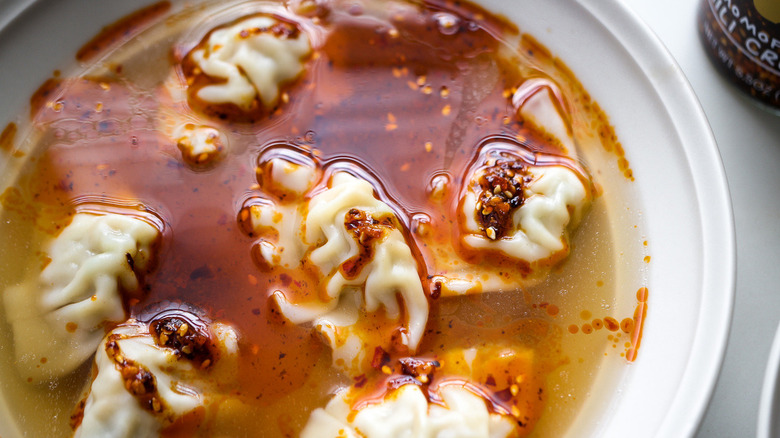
<point x="138" y="380"/>
<point x="501" y="185"/>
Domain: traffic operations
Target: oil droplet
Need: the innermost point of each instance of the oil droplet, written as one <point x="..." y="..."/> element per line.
<point x="552" y="310"/>
<point x="638" y="323"/>
<point x="585" y="314"/>
<point x="597" y="324"/>
<point x="647" y="259"/>
<point x="627" y="325"/>
<point x="587" y="328"/>
<point x="44" y="360"/>
<point x="611" y="324"/>
<point x="71" y="327"/>
<point x="447" y="23"/>
<point x="599" y="283"/>
<point x="7" y="137"/>
<point x="573" y="329"/>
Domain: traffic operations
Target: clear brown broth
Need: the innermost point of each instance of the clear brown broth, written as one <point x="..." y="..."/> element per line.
<point x="359" y="102"/>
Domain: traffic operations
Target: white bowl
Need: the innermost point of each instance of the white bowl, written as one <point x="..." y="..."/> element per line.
<point x="681" y="200"/>
<point x="768" y="418"/>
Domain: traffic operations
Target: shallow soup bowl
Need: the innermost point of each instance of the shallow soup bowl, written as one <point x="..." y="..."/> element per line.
<point x="671" y="220"/>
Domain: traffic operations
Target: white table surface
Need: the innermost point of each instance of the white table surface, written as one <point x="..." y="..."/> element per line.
<point x="749" y="142"/>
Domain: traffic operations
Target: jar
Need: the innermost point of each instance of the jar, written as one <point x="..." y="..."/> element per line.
<point x="742" y="39"/>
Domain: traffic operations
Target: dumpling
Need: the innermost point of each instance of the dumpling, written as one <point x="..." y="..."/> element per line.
<point x="488" y="390"/>
<point x="540" y="103"/>
<point x="59" y="315"/>
<point x="151" y="375"/>
<point x="280" y="221"/>
<point x="355" y="243"/>
<point x="247" y="63"/>
<point x="199" y="145"/>
<point x="517" y="207"/>
<point x="525" y="216"/>
<point x="358" y="242"/>
<point x="406" y="412"/>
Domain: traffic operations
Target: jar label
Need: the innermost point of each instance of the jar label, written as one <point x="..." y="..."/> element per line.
<point x="745" y="44"/>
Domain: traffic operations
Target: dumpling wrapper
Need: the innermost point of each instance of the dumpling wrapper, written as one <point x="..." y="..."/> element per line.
<point x="283" y="218"/>
<point x="555" y="200"/>
<point x="253" y="61"/>
<point x="316" y="232"/>
<point x="200" y="145"/>
<point x="111" y="410"/>
<point x="59" y="314"/>
<point x="540" y="103"/>
<point x="405" y="412"/>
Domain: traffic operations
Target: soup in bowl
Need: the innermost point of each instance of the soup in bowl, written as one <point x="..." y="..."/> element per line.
<point x="359" y="218"/>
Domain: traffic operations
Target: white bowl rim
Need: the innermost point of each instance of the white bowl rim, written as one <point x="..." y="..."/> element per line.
<point x="718" y="232"/>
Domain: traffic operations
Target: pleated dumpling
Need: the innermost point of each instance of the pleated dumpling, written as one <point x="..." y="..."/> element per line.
<point x="59" y="314"/>
<point x="151" y="375"/>
<point x="516" y="212"/>
<point x="355" y="243"/>
<point x="523" y="211"/>
<point x="245" y="64"/>
<point x="406" y="412"/>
